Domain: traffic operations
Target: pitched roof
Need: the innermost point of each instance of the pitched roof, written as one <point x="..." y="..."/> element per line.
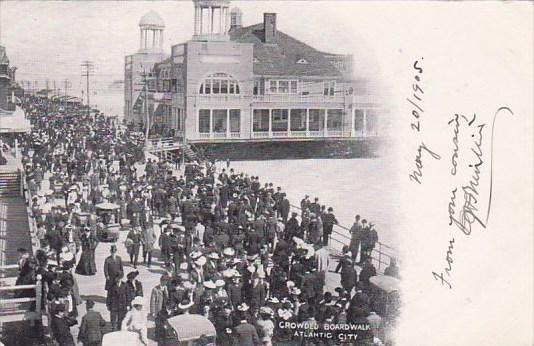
<point x="280" y="57"/>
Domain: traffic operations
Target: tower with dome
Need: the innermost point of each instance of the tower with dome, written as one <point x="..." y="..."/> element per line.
<point x="150" y="52"/>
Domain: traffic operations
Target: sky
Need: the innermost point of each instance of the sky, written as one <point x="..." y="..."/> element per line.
<point x="49" y="40"/>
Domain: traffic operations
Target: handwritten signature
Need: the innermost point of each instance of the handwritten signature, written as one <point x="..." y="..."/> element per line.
<point x="469" y="213"/>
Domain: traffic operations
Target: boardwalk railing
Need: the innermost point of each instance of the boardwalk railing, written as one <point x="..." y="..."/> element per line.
<point x="381" y="254"/>
<point x="159" y="144"/>
<point x="25" y="193"/>
<point x="17" y="309"/>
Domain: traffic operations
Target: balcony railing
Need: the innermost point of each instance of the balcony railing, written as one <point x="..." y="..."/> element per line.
<point x="299" y="98"/>
<point x="298" y="134"/>
<point x="220" y="135"/>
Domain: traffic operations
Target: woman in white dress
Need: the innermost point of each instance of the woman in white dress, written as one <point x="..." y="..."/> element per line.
<point x="136" y="320"/>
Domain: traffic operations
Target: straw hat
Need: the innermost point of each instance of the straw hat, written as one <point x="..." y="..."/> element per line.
<point x="243" y="307"/>
<point x="219" y="283"/>
<point x="201" y="261"/>
<point x="138" y="301"/>
<point x="229" y="251"/>
<point x="209" y="284"/>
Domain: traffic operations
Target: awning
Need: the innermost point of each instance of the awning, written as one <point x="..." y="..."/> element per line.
<point x="14" y="122"/>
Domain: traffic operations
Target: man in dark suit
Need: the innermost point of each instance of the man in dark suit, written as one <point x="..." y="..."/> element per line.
<point x="91" y="333"/>
<point x="113" y="268"/>
<point x="284" y="207"/>
<point x="329" y="220"/>
<point x="246" y="334"/>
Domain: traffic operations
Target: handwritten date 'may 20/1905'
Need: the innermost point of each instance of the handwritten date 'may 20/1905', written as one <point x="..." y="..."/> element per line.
<point x="415" y="101"/>
<point x="466" y="213"/>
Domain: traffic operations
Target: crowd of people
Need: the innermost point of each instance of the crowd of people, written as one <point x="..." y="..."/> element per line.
<point x="231" y="247"/>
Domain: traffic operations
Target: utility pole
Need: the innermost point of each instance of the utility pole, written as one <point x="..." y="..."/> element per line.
<point x="144" y="90"/>
<point x="88" y="69"/>
<point x="67" y="85"/>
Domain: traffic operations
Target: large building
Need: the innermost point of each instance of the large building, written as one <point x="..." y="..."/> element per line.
<point x="8" y="86"/>
<point x="235" y="84"/>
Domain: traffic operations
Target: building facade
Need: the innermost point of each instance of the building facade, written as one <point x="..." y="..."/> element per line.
<point x="231" y="83"/>
<point x="8" y="86"/>
<point x="138" y="66"/>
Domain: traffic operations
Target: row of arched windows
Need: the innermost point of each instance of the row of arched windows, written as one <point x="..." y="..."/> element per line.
<point x="219" y="83"/>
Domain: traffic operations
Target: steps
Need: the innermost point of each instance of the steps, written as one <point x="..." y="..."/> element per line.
<point x="9" y="184"/>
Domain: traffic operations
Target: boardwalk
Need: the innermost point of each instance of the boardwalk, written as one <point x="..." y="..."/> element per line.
<point x="92" y="287"/>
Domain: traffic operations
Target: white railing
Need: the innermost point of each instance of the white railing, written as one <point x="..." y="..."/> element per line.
<point x="334" y="133"/>
<point x="218" y="98"/>
<point x="280" y="134"/>
<point x="263" y="134"/>
<point x="219" y="135"/>
<point x="235" y="135"/>
<point x="204" y="135"/>
<point x="316" y="134"/>
<point x="298" y="134"/>
<point x="299" y="98"/>
<point x="163" y="144"/>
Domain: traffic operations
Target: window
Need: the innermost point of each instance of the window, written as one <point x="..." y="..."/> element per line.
<point x="335" y="120"/>
<point x="204" y="123"/>
<point x="279" y="119"/>
<point x="235" y="120"/>
<point x="260" y="121"/>
<point x="220" y="121"/>
<point x="358" y="121"/>
<point x="219" y="83"/>
<point x="259" y="87"/>
<point x="329" y="88"/>
<point x="302" y="61"/>
<point x="293" y="87"/>
<point x="283" y="86"/>
<point x="316" y="119"/>
<point x="298" y="120"/>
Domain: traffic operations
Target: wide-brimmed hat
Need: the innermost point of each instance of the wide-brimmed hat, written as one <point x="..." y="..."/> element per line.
<point x="243" y="307"/>
<point x="220" y="283"/>
<point x="229" y="251"/>
<point x="195" y="255"/>
<point x="185" y="304"/>
<point x="138" y="301"/>
<point x="273" y="300"/>
<point x="214" y="255"/>
<point x="209" y="284"/>
<point x="295" y="291"/>
<point x="266" y="310"/>
<point x="201" y="261"/>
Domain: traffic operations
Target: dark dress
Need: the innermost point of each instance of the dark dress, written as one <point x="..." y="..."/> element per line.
<point x="87" y="264"/>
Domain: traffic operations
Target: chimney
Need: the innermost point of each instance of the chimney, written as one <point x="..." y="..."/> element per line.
<point x="269" y="27"/>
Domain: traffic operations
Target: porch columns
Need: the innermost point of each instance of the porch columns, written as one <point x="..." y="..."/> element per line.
<point x="211" y="123"/>
<point x="289" y="122"/>
<point x="364" y="130"/>
<point x="326" y="122"/>
<point x="227" y="123"/>
<point x="353" y="124"/>
<point x="270" y="123"/>
<point x="307" y="122"/>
